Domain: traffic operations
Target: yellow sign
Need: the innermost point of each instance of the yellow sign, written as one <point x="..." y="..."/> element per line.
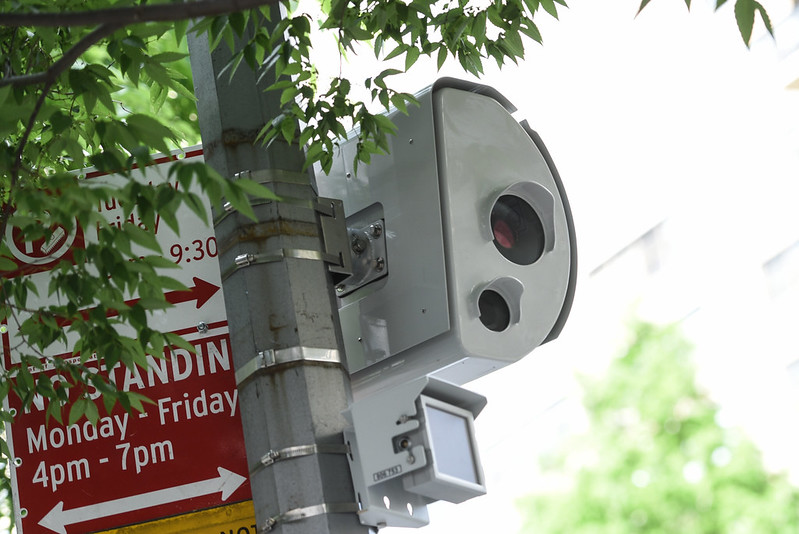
<point x="236" y="518"/>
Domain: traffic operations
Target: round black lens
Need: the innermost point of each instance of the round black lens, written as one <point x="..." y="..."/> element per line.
<point x="494" y="310"/>
<point x="517" y="229"/>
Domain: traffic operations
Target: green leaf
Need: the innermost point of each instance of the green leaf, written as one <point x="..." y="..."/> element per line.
<point x="442" y="57"/>
<point x="255" y="189"/>
<point x="287" y="128"/>
<point x="60" y="121"/>
<point x="411" y="57"/>
<point x="141" y="237"/>
<point x="396" y="52"/>
<point x="159" y="262"/>
<point x="7" y="264"/>
<point x="385" y="123"/>
<point x="514" y="42"/>
<point x="531" y="31"/>
<point x="745" y="16"/>
<point x="235" y="195"/>
<point x="168" y="57"/>
<point x="78" y="410"/>
<point x="150" y="130"/>
<point x="549" y="7"/>
<point x="180" y="30"/>
<point x="175" y="340"/>
<point x="765" y="18"/>
<point x="54" y="411"/>
<point x="4" y="92"/>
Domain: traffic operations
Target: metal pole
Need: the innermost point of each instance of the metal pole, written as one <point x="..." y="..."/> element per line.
<point x="281" y="314"/>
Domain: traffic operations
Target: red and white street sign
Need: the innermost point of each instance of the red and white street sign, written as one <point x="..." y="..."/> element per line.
<point x="184" y="453"/>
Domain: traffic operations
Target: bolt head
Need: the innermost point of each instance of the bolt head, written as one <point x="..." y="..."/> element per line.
<point x="358" y="244"/>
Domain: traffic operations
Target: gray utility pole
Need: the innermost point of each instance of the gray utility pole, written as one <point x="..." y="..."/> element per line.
<point x="281" y="311"/>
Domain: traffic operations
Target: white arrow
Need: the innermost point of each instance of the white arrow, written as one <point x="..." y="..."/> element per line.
<point x="57" y="519"/>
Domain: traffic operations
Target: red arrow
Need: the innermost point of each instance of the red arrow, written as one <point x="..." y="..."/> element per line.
<point x="201" y="292"/>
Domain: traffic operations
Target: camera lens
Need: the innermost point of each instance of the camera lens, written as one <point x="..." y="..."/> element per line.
<point x="517" y="229"/>
<point x="494" y="310"/>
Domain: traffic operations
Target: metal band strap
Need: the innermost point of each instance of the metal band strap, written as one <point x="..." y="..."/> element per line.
<point x="270" y="176"/>
<point x="273" y="357"/>
<point x="275" y="176"/>
<point x="298" y="451"/>
<point x="298" y="514"/>
<point x="320" y="205"/>
<point x="245" y="260"/>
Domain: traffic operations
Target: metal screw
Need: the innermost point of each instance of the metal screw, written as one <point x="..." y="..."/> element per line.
<point x="340" y="288"/>
<point x="380" y="264"/>
<point x="376" y="230"/>
<point x="410" y="141"/>
<point x="358" y="244"/>
<point x="349" y="175"/>
<point x="202" y="327"/>
<point x="411" y="459"/>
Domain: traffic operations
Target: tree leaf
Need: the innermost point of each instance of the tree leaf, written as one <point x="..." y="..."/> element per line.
<point x="745" y="17"/>
<point x="411" y="57"/>
<point x="255" y="189"/>
<point x="765" y="18"/>
<point x="7" y="264"/>
<point x="141" y="237"/>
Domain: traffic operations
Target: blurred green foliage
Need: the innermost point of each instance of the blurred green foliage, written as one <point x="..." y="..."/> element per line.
<point x="656" y="460"/>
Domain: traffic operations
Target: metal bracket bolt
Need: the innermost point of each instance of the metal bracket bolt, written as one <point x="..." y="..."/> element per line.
<point x="358" y="244"/>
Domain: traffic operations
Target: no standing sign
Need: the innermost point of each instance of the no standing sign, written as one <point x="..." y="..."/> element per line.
<point x="185" y="452"/>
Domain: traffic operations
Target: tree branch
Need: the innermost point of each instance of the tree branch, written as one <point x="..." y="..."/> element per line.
<point x="133" y="14"/>
<point x="48" y="77"/>
<point x="69" y="57"/>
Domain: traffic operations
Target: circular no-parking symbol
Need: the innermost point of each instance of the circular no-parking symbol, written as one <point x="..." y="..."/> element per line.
<point x="43" y="250"/>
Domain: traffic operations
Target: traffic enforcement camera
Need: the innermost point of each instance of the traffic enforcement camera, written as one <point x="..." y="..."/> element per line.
<point x="462" y="241"/>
